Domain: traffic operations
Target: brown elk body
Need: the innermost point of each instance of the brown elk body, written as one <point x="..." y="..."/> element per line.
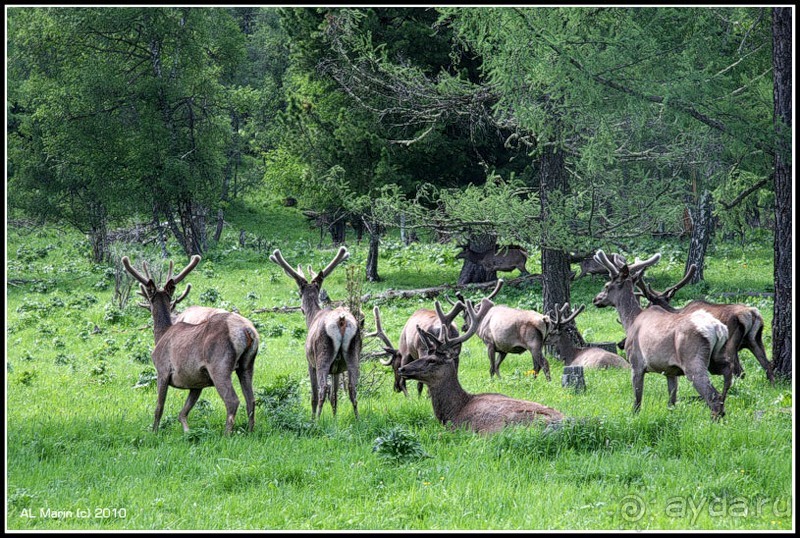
<point x="669" y="343"/>
<point x="588" y="357"/>
<point x="745" y="323"/>
<point x="452" y="405"/>
<point x="499" y="259"/>
<point x="411" y="344"/>
<point x="196" y="356"/>
<point x="507" y="330"/>
<point x="333" y="342"/>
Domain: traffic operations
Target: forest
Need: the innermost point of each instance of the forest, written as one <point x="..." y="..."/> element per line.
<point x="564" y="130"/>
<point x="425" y="141"/>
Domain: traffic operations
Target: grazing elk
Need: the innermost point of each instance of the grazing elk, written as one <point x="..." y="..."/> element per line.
<point x="670" y="343"/>
<point x="500" y="259"/>
<point x="589" y="266"/>
<point x="195" y="356"/>
<point x="745" y="324"/>
<point x="333" y="342"/>
<point x="588" y="357"/>
<point x="411" y="345"/>
<point x="482" y="413"/>
<point x="507" y="330"/>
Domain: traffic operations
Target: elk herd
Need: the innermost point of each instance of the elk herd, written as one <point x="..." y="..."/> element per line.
<point x="202" y="347"/>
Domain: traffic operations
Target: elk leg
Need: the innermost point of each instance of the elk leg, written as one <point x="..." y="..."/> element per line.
<point x="702" y="384"/>
<point x="672" y="389"/>
<point x="162" y="386"/>
<point x="756" y="347"/>
<point x="194" y="394"/>
<point x="312" y="373"/>
<point x="334" y="397"/>
<point x="492" y="367"/>
<point x="224" y="387"/>
<point x="245" y="376"/>
<point x="322" y="389"/>
<point x="351" y="389"/>
<point x="637" y="380"/>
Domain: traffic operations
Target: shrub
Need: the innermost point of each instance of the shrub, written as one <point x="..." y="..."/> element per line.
<point x="398" y="444"/>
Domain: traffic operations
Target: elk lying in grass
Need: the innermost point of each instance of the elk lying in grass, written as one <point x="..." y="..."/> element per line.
<point x="333" y="342"/>
<point x="666" y="342"/>
<point x="411" y="345"/>
<point x="482" y="413"/>
<point x="588" y="357"/>
<point x="507" y="330"/>
<point x="499" y="259"/>
<point x="745" y="324"/>
<point x="196" y="356"/>
<point x="589" y="266"/>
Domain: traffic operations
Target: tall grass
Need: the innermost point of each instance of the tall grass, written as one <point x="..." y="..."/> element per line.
<point x="80" y="399"/>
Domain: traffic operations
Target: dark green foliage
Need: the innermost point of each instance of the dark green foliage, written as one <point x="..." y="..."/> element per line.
<point x="399" y="445"/>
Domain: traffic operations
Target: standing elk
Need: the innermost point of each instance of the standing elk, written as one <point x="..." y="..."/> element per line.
<point x="745" y="324"/>
<point x="333" y="342"/>
<point x="670" y="343"/>
<point x="482" y="413"/>
<point x="588" y="357"/>
<point x="411" y="345"/>
<point x="500" y="259"/>
<point x="507" y="330"/>
<point x="195" y="356"/>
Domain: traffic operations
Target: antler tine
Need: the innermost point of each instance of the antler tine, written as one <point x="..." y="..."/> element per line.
<point x="277" y="258"/>
<point x="670" y="292"/>
<point x="573" y="315"/>
<point x="341" y="256"/>
<point x="182" y="297"/>
<point x="475" y="318"/>
<point x="603" y="260"/>
<point x="448" y="318"/>
<point x="640" y="266"/>
<point x="188" y="269"/>
<point x="382" y="335"/>
<point x="169" y="273"/>
<point x="496" y="290"/>
<point x="128" y="267"/>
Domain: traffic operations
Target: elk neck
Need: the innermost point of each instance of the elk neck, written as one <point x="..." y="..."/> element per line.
<point x="448" y="397"/>
<point x="162" y="320"/>
<point x="310" y="302"/>
<point x="628" y="307"/>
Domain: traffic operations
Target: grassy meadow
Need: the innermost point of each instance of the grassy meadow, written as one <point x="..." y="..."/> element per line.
<point x="80" y="397"/>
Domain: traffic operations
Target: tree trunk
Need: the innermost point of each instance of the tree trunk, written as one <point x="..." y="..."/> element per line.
<point x="782" y="93"/>
<point x="475" y="273"/>
<point x="372" y="257"/>
<point x="701" y="234"/>
<point x="338" y="231"/>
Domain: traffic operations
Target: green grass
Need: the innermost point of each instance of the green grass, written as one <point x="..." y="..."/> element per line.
<point x="80" y="446"/>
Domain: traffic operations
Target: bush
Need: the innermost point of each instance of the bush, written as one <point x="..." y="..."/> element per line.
<point x="398" y="444"/>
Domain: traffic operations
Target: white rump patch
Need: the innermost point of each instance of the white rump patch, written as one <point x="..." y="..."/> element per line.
<point x="710" y="327"/>
<point x="341" y="339"/>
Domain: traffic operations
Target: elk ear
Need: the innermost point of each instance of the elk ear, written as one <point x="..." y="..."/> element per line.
<point x="624" y="272"/>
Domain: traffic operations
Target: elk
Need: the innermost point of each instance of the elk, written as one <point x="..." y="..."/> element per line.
<point x="589" y="266"/>
<point x="452" y="405"/>
<point x="333" y="342"/>
<point x="196" y="356"/>
<point x="411" y="345"/>
<point x="500" y="259"/>
<point x="745" y="324"/>
<point x="588" y="357"/>
<point x="507" y="330"/>
<point x="670" y="343"/>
